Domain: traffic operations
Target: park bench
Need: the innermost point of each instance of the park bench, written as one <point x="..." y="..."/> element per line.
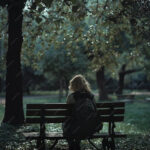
<point x="111" y="113"/>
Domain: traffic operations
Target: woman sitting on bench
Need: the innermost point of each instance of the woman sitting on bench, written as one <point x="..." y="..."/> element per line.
<point x="84" y="120"/>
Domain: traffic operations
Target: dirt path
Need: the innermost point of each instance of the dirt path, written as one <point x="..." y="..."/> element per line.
<point x="141" y="93"/>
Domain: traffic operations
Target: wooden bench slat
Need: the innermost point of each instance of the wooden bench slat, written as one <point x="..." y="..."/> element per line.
<point x="110" y="104"/>
<point x="68" y="113"/>
<point x="112" y="112"/>
<point x="59" y="135"/>
<point x="62" y="119"/>
<point x="49" y="106"/>
<point x="48" y="113"/>
<point x="64" y="105"/>
<point x="46" y="120"/>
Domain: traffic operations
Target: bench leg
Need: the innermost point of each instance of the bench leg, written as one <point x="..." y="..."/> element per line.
<point x="112" y="144"/>
<point x="40" y="144"/>
<point x="108" y="144"/>
<point x="93" y="144"/>
<point x="56" y="141"/>
<point x="105" y="144"/>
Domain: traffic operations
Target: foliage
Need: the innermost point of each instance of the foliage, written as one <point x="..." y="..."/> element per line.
<point x="3" y="41"/>
<point x="60" y="64"/>
<point x="108" y="33"/>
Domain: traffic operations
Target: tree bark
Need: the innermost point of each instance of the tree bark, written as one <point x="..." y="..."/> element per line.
<point x="0" y="60"/>
<point x="60" y="89"/>
<point x="0" y="85"/>
<point x="28" y="90"/>
<point x="14" y="93"/>
<point x="121" y="80"/>
<point x="66" y="86"/>
<point x="100" y="76"/>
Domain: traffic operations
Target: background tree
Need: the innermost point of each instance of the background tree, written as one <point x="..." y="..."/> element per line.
<point x="14" y="107"/>
<point x="114" y="23"/>
<point x="96" y="25"/>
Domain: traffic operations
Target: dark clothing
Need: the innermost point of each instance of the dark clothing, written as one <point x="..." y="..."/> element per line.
<point x="74" y="144"/>
<point x="82" y="122"/>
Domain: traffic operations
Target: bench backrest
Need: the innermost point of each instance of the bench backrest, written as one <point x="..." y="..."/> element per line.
<point x="57" y="112"/>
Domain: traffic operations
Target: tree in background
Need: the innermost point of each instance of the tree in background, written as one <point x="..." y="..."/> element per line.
<point x="133" y="36"/>
<point x="55" y="50"/>
<point x="14" y="107"/>
<point x="63" y="67"/>
<point x="62" y="59"/>
<point x="118" y="32"/>
<point x="14" y="104"/>
<point x="98" y="37"/>
<point x="2" y="59"/>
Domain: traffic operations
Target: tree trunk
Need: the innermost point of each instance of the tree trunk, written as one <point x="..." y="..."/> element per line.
<point x="120" y="83"/>
<point x="60" y="89"/>
<point x="121" y="80"/>
<point x="100" y="76"/>
<point x="0" y="85"/>
<point x="66" y="87"/>
<point x="14" y="95"/>
<point x="28" y="90"/>
<point x="0" y="60"/>
<point x="66" y="92"/>
<point x="122" y="73"/>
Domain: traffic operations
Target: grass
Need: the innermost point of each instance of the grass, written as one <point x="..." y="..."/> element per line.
<point x="137" y="114"/>
<point x="136" y="125"/>
<point x="1" y="111"/>
<point x="37" y="93"/>
<point x="44" y="93"/>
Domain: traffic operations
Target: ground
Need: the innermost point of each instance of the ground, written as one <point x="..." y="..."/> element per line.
<point x="136" y="125"/>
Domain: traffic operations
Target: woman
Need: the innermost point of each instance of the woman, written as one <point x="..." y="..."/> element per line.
<point x="80" y="84"/>
<point x="79" y="124"/>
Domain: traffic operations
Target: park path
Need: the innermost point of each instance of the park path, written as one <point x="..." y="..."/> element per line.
<point x="141" y="93"/>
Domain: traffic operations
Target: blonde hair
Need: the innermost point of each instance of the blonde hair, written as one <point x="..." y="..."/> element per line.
<point x="79" y="83"/>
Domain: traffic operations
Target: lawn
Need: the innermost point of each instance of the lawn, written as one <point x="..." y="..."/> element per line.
<point x="136" y="125"/>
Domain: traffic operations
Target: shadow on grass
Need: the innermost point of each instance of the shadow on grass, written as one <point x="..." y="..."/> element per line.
<point x="11" y="138"/>
<point x="134" y="142"/>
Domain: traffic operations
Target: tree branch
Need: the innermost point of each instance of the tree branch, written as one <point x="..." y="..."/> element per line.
<point x="131" y="71"/>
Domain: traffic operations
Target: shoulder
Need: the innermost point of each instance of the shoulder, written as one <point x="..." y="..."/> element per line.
<point x="83" y="94"/>
<point x="70" y="98"/>
<point x="89" y="95"/>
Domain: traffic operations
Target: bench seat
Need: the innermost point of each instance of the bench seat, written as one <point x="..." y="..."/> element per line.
<point x="59" y="135"/>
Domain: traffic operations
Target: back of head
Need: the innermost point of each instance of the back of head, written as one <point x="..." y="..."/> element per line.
<point x="79" y="83"/>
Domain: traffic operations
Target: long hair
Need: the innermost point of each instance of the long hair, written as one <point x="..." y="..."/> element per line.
<point x="79" y="83"/>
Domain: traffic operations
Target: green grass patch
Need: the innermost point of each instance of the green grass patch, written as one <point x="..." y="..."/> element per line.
<point x="1" y="111"/>
<point x="136" y="125"/>
<point x="137" y="115"/>
<point x="44" y="93"/>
